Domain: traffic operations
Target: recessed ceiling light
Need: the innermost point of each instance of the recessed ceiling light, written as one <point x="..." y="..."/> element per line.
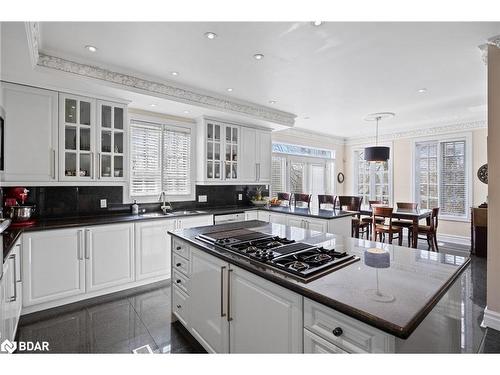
<point x="422" y="90"/>
<point x="153" y="105"/>
<point x="272" y="101"/>
<point x="91" y="48"/>
<point x="229" y="89"/>
<point x="306" y="117"/>
<point x="210" y="35"/>
<point x="186" y="112"/>
<point x="317" y="23"/>
<point x="258" y="56"/>
<point x="175" y="73"/>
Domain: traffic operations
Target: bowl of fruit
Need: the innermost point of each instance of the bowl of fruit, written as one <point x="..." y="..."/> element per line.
<point x="275" y="202"/>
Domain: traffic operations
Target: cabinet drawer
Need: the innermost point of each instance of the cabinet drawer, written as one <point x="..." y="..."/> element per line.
<point x="181" y="264"/>
<point x="316" y="345"/>
<point x="181" y="248"/>
<point x="180" y="306"/>
<point x="181" y="281"/>
<point x="351" y="335"/>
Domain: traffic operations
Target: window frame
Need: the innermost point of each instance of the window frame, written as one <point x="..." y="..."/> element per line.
<point x="467" y="137"/>
<point x="171" y="124"/>
<point x="390" y="171"/>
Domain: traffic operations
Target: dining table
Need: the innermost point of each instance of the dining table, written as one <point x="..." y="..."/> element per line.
<point x="405" y="214"/>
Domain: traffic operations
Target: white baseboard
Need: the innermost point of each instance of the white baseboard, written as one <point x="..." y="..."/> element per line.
<point x="491" y="319"/>
<point x="459" y="240"/>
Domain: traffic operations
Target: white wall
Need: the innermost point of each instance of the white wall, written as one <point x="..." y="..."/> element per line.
<point x="402" y="177"/>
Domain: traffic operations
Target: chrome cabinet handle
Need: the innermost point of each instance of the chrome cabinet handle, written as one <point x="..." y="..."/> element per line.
<point x="178" y="248"/>
<point x="179" y="306"/>
<point x="178" y="281"/>
<point x="79" y="246"/>
<point x="53" y="164"/>
<point x="87" y="243"/>
<point x="337" y="332"/>
<point x="178" y="265"/>
<point x="92" y="165"/>
<point x="229" y="318"/>
<point x="14" y="297"/>
<point x="258" y="170"/>
<point x="20" y="264"/>
<point x="222" y="313"/>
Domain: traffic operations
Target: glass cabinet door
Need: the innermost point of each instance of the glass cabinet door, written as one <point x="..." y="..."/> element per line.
<point x="231" y="152"/>
<point x="214" y="151"/>
<point x="111" y="140"/>
<point x="77" y="143"/>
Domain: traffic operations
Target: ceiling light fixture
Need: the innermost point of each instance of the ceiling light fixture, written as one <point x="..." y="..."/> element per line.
<point x="317" y="23"/>
<point x="422" y="90"/>
<point x="153" y="105"/>
<point x="258" y="56"/>
<point x="306" y="118"/>
<point x="186" y="112"/>
<point x="377" y="153"/>
<point x="175" y="74"/>
<point x="229" y="89"/>
<point x="272" y="101"/>
<point x="91" y="48"/>
<point x="210" y="35"/>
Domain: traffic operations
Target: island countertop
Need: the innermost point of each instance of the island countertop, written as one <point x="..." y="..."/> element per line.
<point x="417" y="279"/>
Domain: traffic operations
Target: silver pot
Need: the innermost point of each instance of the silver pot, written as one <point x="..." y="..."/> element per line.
<point x="21" y="213"/>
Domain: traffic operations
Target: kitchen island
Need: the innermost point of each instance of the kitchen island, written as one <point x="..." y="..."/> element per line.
<point x="408" y="303"/>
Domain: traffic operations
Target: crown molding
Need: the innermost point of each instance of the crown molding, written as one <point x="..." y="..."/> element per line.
<point x="422" y="132"/>
<point x="493" y="41"/>
<point x="169" y="91"/>
<point x="306" y="134"/>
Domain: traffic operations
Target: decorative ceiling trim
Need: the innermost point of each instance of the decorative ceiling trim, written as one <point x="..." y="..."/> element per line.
<point x="493" y="41"/>
<point x="422" y="132"/>
<point x="305" y="135"/>
<point x="169" y="91"/>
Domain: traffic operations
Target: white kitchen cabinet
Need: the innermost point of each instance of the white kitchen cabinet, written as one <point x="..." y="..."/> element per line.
<point x="53" y="265"/>
<point x="207" y="302"/>
<point x="3" y="302"/>
<point x="194" y="221"/>
<point x="263" y="156"/>
<point x="77" y="134"/>
<point x="31" y="128"/>
<point x="251" y="215"/>
<point x="314" y="344"/>
<point x="264" y="317"/>
<point x="12" y="295"/>
<point x="111" y="141"/>
<point x="307" y="223"/>
<point x="277" y="218"/>
<point x="109" y="255"/>
<point x="153" y="248"/>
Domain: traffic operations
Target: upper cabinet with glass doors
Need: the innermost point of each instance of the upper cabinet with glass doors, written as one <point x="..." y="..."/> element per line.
<point x="92" y="139"/>
<point x="111" y="141"/>
<point x="77" y="128"/>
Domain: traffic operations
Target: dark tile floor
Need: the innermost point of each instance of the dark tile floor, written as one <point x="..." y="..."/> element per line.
<point x="124" y="321"/>
<point x="118" y="323"/>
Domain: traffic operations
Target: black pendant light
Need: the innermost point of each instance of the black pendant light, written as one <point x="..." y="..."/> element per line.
<point x="377" y="153"/>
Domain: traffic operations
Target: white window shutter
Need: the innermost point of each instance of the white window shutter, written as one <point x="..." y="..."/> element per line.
<point x="145" y="159"/>
<point x="176" y="162"/>
<point x="278" y="175"/>
<point x="453" y="184"/>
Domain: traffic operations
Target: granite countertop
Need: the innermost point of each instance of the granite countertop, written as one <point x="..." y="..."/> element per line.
<point x="70" y="222"/>
<point x="417" y="279"/>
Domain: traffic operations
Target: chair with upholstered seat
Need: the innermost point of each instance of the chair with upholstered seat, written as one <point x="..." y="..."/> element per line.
<point x="324" y="199"/>
<point x="368" y="219"/>
<point x="353" y="203"/>
<point x="304" y="200"/>
<point x="408" y="224"/>
<point x="387" y="227"/>
<point x="285" y="198"/>
<point x="430" y="230"/>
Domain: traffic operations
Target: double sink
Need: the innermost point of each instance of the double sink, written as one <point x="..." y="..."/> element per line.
<point x="173" y="213"/>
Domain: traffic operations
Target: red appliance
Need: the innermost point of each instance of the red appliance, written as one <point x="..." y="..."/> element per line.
<point x="17" y="196"/>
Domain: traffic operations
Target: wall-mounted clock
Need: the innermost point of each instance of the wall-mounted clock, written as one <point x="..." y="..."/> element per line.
<point x="340" y="177"/>
<point x="482" y="173"/>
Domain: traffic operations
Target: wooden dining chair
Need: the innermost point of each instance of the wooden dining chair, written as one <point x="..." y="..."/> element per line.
<point x="368" y="219"/>
<point x="353" y="203"/>
<point x="285" y="197"/>
<point x="430" y="231"/>
<point x="326" y="199"/>
<point x="408" y="224"/>
<point x="381" y="229"/>
<point x="302" y="198"/>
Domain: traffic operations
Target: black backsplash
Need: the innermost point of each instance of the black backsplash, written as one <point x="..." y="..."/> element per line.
<point x="68" y="201"/>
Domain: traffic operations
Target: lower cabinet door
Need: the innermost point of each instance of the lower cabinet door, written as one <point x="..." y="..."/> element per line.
<point x="264" y="317"/>
<point x="53" y="266"/>
<point x="109" y="253"/>
<point x="195" y="221"/>
<point x="316" y="345"/>
<point x="153" y="248"/>
<point x="295" y="221"/>
<point x="208" y="302"/>
<point x="277" y="218"/>
<point x="317" y="225"/>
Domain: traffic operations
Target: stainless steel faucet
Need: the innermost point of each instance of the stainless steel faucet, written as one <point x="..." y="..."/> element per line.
<point x="164" y="206"/>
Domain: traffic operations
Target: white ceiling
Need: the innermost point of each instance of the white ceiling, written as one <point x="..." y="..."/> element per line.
<point x="335" y="73"/>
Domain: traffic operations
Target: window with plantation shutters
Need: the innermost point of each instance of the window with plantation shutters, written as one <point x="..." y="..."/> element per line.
<point x="441" y="176"/>
<point x="145" y="159"/>
<point x="160" y="160"/>
<point x="176" y="162"/>
<point x="278" y="175"/>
